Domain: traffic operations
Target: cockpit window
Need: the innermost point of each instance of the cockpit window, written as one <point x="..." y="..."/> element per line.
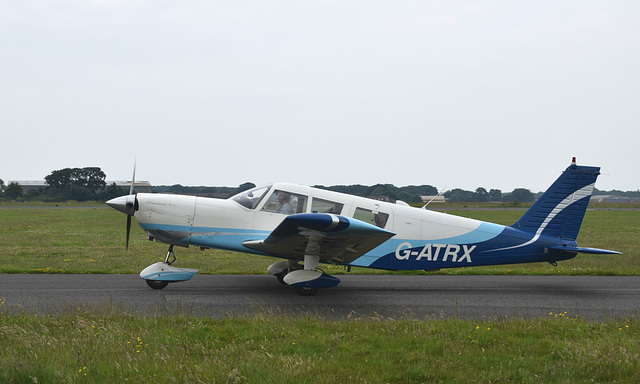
<point x="285" y="202"/>
<point x="325" y="206"/>
<point x="379" y="219"/>
<point x="250" y="198"/>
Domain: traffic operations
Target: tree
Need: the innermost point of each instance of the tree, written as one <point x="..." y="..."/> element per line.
<point x="76" y="183"/>
<point x="481" y="195"/>
<point x="13" y="191"/>
<point x="33" y="194"/>
<point x="522" y="195"/>
<point x="245" y="187"/>
<point x="387" y="190"/>
<point x="91" y="178"/>
<point x="414" y="193"/>
<point x="495" y="195"/>
<point x="111" y="191"/>
<point x="59" y="179"/>
<point x="458" y="195"/>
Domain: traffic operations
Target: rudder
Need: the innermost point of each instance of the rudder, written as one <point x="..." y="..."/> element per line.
<point x="560" y="210"/>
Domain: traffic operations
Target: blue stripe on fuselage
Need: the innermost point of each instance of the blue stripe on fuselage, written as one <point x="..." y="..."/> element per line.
<point x="436" y="254"/>
<point x="484" y="232"/>
<point x="223" y="238"/>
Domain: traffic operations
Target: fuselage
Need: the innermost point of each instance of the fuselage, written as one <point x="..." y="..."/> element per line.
<point x="423" y="239"/>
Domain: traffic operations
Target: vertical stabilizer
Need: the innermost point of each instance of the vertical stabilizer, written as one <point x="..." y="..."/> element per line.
<point x="560" y="210"/>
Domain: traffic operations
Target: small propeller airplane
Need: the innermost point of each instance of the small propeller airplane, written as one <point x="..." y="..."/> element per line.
<point x="307" y="226"/>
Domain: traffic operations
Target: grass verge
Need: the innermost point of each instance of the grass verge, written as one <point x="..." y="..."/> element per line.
<point x="88" y="345"/>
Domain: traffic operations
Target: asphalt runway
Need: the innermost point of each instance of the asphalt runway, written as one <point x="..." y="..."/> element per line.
<point x="423" y="296"/>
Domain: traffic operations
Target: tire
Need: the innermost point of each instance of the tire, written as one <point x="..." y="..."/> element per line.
<point x="280" y="276"/>
<point x="157" y="284"/>
<point x="306" y="291"/>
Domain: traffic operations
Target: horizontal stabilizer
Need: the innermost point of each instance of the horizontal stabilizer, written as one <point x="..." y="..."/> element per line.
<point x="592" y="251"/>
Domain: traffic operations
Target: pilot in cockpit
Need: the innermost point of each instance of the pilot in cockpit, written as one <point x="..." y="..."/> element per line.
<point x="285" y="207"/>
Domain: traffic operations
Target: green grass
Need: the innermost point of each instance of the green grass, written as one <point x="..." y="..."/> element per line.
<point x="89" y="345"/>
<point x="50" y="240"/>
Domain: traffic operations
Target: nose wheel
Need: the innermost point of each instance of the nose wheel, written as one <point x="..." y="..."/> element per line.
<point x="160" y="274"/>
<point x="169" y="259"/>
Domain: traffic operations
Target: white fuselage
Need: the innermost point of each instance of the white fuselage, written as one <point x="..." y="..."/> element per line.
<point x="226" y="224"/>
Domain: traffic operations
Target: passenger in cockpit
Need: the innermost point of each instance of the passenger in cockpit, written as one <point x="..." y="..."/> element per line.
<point x="381" y="219"/>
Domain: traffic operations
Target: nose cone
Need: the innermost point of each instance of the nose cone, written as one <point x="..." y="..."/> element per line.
<point x="125" y="204"/>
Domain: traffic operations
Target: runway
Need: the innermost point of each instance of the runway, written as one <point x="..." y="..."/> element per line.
<point x="423" y="296"/>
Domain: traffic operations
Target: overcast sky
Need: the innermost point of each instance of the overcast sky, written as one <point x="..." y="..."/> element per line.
<point x="457" y="94"/>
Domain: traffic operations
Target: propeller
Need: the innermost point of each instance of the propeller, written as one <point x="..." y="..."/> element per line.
<point x="133" y="182"/>
<point x="128" y="230"/>
<point x="127" y="204"/>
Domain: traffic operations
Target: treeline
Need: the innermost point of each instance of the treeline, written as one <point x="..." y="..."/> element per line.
<point x="413" y="193"/>
<point x="222" y="192"/>
<point x="79" y="184"/>
<point x="615" y="192"/>
<point x="409" y="194"/>
<point x="83" y="184"/>
<point x="481" y="195"/>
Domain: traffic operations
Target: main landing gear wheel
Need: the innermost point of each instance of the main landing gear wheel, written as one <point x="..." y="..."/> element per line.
<point x="157" y="284"/>
<point x="307" y="291"/>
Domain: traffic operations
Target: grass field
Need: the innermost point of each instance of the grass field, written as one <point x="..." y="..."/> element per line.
<point x="50" y="240"/>
<point x="88" y="344"/>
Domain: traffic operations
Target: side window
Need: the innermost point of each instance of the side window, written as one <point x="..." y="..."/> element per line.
<point x="379" y="219"/>
<point x="285" y="202"/>
<point x="325" y="206"/>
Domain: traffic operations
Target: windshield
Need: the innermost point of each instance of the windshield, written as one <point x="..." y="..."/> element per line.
<point x="250" y="198"/>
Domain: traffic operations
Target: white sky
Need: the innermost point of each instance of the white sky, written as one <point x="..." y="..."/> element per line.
<point x="499" y="94"/>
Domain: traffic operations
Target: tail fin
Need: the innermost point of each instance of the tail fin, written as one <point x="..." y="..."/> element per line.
<point x="560" y="210"/>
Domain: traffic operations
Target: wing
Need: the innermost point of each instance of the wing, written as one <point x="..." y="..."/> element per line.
<point x="335" y="239"/>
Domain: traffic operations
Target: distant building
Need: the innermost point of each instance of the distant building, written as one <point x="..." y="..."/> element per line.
<point x="139" y="186"/>
<point x="433" y="199"/>
<point x="27" y="185"/>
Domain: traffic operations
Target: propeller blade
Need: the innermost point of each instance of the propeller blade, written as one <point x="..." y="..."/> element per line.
<point x="133" y="178"/>
<point x="133" y="183"/>
<point x="128" y="229"/>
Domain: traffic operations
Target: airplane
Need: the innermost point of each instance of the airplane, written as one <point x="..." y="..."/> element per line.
<point x="307" y="226"/>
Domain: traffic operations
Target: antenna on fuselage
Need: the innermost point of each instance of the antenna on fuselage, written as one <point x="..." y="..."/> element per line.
<point x="434" y="197"/>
